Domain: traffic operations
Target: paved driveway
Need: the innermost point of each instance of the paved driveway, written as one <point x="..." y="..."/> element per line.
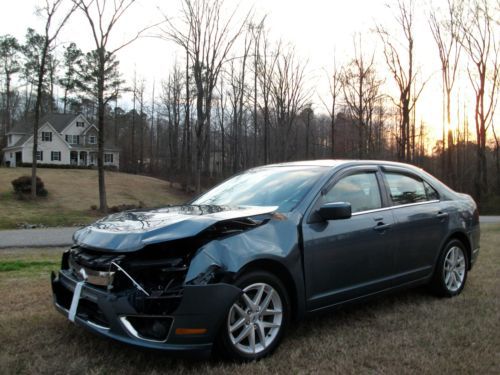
<point x="46" y="237"/>
<point x="50" y="237"/>
<point x="489" y="219"/>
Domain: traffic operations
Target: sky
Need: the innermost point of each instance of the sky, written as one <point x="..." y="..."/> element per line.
<point x="318" y="29"/>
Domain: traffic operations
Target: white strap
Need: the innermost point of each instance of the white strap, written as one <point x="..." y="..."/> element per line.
<point x="76" y="299"/>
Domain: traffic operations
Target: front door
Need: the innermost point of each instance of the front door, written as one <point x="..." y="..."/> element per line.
<point x="347" y="258"/>
<point x="73" y="157"/>
<point x="19" y="158"/>
<point x="83" y="158"/>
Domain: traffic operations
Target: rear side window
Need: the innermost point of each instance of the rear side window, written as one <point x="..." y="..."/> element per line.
<point x="360" y="190"/>
<point x="406" y="189"/>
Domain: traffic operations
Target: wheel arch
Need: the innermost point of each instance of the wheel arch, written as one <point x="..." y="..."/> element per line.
<point x="279" y="270"/>
<point x="464" y="239"/>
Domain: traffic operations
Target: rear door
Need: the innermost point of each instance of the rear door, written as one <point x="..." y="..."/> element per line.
<point x="347" y="258"/>
<point x="420" y="223"/>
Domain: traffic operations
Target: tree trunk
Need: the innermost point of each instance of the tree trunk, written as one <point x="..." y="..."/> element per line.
<point x="7" y="104"/>
<point x="38" y="103"/>
<point x="103" y="205"/>
<point x="187" y="125"/>
<point x="132" y="138"/>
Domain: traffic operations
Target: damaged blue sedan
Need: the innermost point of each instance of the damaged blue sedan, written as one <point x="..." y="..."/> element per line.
<point x="233" y="268"/>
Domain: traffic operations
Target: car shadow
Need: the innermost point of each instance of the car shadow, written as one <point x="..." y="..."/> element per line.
<point x="350" y="316"/>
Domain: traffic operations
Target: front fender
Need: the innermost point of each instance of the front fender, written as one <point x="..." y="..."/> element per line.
<point x="276" y="241"/>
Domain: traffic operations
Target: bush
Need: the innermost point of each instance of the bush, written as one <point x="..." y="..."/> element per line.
<point x="22" y="187"/>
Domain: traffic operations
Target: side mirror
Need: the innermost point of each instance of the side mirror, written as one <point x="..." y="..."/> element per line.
<point x="335" y="211"/>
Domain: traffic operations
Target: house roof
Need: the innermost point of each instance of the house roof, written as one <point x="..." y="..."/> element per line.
<point x="58" y="120"/>
<point x="21" y="140"/>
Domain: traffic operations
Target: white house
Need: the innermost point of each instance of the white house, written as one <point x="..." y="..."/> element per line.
<point x="64" y="139"/>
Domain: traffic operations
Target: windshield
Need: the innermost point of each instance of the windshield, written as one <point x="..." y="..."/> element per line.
<point x="271" y="186"/>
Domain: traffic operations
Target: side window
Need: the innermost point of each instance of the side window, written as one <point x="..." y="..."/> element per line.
<point x="432" y="194"/>
<point x="360" y="190"/>
<point x="405" y="189"/>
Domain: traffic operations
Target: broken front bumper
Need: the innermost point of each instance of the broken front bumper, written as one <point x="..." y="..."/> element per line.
<point x="192" y="326"/>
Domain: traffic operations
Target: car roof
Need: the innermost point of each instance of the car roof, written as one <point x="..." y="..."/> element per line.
<point x="340" y="162"/>
<point x="336" y="163"/>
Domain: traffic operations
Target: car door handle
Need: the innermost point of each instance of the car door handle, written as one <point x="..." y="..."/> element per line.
<point x="380" y="227"/>
<point x="442" y="215"/>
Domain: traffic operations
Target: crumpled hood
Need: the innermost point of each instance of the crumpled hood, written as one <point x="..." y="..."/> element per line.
<point x="133" y="230"/>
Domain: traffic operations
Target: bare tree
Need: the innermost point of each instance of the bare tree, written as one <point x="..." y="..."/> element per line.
<point x="256" y="31"/>
<point x="50" y="11"/>
<point x="334" y="90"/>
<point x="151" y="130"/>
<point x="133" y="125"/>
<point x="140" y="97"/>
<point x="221" y="116"/>
<point x="266" y="66"/>
<point x="482" y="48"/>
<point x="237" y="75"/>
<point x="207" y="41"/>
<point x="402" y="67"/>
<point x="288" y="95"/>
<point x="103" y="16"/>
<point x="172" y="90"/>
<point x="448" y="41"/>
<point x="361" y="93"/>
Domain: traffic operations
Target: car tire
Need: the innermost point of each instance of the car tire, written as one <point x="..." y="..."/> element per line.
<point x="255" y="324"/>
<point x="450" y="274"/>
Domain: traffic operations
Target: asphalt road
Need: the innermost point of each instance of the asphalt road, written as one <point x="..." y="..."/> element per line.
<point x="52" y="237"/>
<point x="489" y="219"/>
<point x="46" y="237"/>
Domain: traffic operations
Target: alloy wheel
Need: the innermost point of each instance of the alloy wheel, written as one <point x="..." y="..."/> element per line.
<point x="454" y="268"/>
<point x="255" y="319"/>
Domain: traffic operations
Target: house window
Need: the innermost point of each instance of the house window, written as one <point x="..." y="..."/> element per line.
<point x="80" y="124"/>
<point x="108" y="158"/>
<point x="39" y="155"/>
<point x="10" y="140"/>
<point x="55" y="156"/>
<point x="92" y="140"/>
<point x="73" y="139"/>
<point x="46" y="136"/>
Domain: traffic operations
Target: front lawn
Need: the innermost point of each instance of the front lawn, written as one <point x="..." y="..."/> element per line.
<point x="409" y="332"/>
<point x="72" y="192"/>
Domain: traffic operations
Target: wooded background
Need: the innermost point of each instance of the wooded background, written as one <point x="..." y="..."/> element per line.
<point x="240" y="99"/>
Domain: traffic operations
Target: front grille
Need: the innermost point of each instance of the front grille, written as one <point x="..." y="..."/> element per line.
<point x="154" y="284"/>
<point x="94" y="277"/>
<point x="92" y="259"/>
<point x="96" y="268"/>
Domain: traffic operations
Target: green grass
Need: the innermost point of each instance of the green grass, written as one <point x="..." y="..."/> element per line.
<point x="18" y="265"/>
<point x="404" y="333"/>
<point x="72" y="193"/>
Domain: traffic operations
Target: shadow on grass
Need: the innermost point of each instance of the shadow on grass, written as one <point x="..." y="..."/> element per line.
<point x="352" y="317"/>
